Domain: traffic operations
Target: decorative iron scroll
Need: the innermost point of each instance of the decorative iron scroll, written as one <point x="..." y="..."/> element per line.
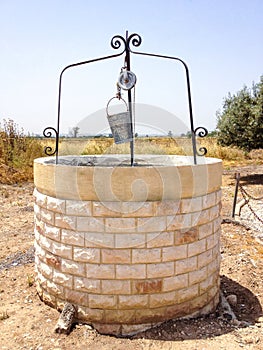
<point x="118" y="42"/>
<point x="48" y="133"/>
<point x="201" y="132"/>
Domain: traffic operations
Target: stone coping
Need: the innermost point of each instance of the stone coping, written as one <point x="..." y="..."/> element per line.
<point x="111" y="178"/>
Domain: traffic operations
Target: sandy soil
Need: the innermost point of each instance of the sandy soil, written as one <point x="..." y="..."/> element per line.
<point x="27" y="323"/>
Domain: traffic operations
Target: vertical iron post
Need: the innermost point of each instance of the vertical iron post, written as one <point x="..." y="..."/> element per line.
<point x="128" y="64"/>
<point x="235" y="195"/>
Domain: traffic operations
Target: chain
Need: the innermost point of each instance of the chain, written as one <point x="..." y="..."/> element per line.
<point x="244" y="193"/>
<point x="249" y="195"/>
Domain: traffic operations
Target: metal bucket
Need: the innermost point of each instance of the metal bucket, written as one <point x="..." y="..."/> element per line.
<point x="120" y="125"/>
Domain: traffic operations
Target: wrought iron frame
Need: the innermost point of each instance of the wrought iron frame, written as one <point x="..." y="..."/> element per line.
<point x="116" y="43"/>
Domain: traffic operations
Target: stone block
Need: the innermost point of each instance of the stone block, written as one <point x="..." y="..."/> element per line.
<point x="196" y="248"/>
<point x="135" y="271"/>
<point x="45" y="270"/>
<point x="37" y="212"/>
<point x="205" y="230"/>
<point x="53" y="261"/>
<point x="162" y="299"/>
<point x="186" y="265"/>
<point x="153" y="315"/>
<point x="201" y="218"/>
<point x="165" y="269"/>
<point x="115" y="287"/>
<point x="132" y="240"/>
<point x="89" y="255"/>
<point x="148" y="286"/>
<point x="76" y="298"/>
<point x="102" y="271"/>
<point x="49" y="299"/>
<point x="207" y="284"/>
<point x="99" y="240"/>
<point x="55" y="289"/>
<point x="152" y="224"/>
<point x="87" y="285"/>
<point x="198" y="303"/>
<point x="197" y="276"/>
<point x="205" y="258"/>
<point x="47" y="216"/>
<point x="64" y="279"/>
<point x="186" y="236"/>
<point x="90" y="224"/>
<point x="78" y="208"/>
<point x="167" y="207"/>
<point x="111" y="329"/>
<point x="116" y="256"/>
<point x="178" y="222"/>
<point x="177" y="310"/>
<point x="73" y="267"/>
<point x="138" y="209"/>
<point x="174" y="253"/>
<point x="211" y="241"/>
<point x="40" y="198"/>
<point x="217" y="224"/>
<point x="145" y="256"/>
<point x="103" y="302"/>
<point x="188" y="293"/>
<point x="56" y="205"/>
<point x="119" y="316"/>
<point x="90" y="315"/>
<point x="52" y="232"/>
<point x="209" y="200"/>
<point x="159" y="239"/>
<point x="107" y="209"/>
<point x="190" y="205"/>
<point x="175" y="282"/>
<point x="133" y="301"/>
<point x="73" y="237"/>
<point x="65" y="221"/>
<point x="120" y="225"/>
<point x="215" y="211"/>
<point x="62" y="250"/>
<point x="45" y="243"/>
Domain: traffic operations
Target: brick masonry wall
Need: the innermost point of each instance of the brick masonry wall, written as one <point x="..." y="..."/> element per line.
<point x="127" y="265"/>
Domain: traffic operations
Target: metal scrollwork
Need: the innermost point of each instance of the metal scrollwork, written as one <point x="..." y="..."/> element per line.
<point x="48" y="133"/>
<point x="201" y="132"/>
<point x="135" y="39"/>
<point x="117" y="41"/>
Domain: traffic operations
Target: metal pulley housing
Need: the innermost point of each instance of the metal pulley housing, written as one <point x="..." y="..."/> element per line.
<point x="127" y="80"/>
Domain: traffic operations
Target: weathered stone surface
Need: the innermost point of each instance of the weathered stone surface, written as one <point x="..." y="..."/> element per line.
<point x="129" y="258"/>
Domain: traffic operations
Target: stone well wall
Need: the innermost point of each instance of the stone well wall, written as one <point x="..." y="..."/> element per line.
<point x="128" y="265"/>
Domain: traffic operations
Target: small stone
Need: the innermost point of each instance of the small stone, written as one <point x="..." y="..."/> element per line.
<point x="232" y="299"/>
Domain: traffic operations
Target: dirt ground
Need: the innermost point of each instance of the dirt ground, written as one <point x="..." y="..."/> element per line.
<point x="27" y="323"/>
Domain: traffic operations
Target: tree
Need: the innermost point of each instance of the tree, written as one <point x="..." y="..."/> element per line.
<point x="240" y="123"/>
<point x="170" y="134"/>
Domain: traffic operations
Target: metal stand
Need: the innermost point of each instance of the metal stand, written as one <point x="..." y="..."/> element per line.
<point x="116" y="43"/>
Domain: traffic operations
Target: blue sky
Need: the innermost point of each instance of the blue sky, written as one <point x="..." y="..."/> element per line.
<point x="221" y="41"/>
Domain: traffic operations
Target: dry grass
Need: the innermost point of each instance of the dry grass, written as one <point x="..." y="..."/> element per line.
<point x="20" y="167"/>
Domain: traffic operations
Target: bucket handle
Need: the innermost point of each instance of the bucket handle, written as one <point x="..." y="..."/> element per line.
<point x="107" y="108"/>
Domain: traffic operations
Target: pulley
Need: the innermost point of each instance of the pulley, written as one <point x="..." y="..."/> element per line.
<point x="127" y="80"/>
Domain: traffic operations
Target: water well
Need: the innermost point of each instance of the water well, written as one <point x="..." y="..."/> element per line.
<point x="130" y="241"/>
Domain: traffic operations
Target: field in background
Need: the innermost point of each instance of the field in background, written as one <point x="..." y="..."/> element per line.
<point x="16" y="158"/>
<point x="159" y="145"/>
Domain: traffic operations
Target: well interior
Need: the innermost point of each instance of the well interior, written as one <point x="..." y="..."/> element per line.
<point x="128" y="246"/>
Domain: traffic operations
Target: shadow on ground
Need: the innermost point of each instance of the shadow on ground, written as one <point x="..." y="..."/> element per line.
<point x="254" y="179"/>
<point x="247" y="310"/>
